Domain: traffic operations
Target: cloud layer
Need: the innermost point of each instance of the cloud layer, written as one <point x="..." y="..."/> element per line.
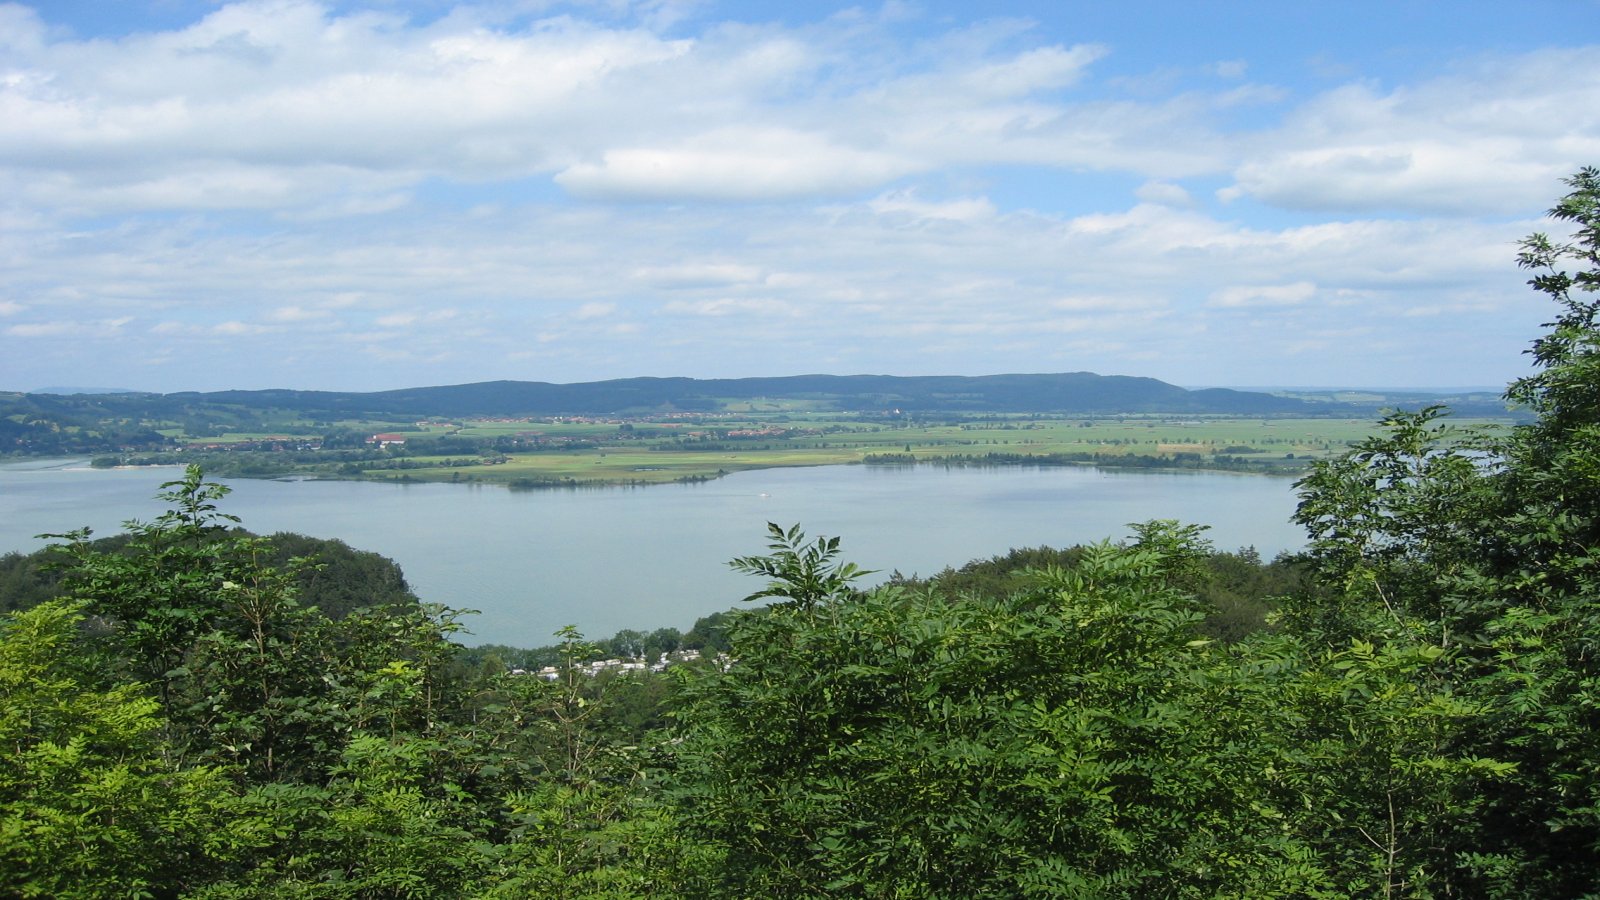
<point x="282" y="194"/>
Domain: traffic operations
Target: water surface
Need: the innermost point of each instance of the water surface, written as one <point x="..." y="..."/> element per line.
<point x="611" y="558"/>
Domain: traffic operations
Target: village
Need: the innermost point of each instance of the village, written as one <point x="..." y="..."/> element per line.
<point x="619" y="666"/>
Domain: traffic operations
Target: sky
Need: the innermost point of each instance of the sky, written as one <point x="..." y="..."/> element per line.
<point x="366" y="196"/>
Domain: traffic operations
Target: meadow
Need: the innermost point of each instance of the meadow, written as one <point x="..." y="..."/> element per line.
<point x="531" y="454"/>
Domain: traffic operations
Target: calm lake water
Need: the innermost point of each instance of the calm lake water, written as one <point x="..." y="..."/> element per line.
<point x="611" y="558"/>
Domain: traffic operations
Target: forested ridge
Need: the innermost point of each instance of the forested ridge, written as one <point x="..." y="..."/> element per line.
<point x="1415" y="712"/>
<point x="1074" y="392"/>
<point x="42" y="424"/>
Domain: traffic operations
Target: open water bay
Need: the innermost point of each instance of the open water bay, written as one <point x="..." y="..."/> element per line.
<point x="611" y="558"/>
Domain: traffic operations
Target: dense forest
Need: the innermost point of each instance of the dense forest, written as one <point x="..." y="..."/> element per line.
<point x="1408" y="709"/>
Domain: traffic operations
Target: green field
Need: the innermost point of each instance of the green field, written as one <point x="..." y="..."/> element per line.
<point x="686" y="446"/>
<point x="649" y="452"/>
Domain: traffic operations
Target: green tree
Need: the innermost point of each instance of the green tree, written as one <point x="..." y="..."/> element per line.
<point x="1061" y="741"/>
<point x="204" y="733"/>
<point x="193" y="609"/>
<point x="383" y="826"/>
<point x="1484" y="548"/>
<point x="584" y="828"/>
<point x="88" y="805"/>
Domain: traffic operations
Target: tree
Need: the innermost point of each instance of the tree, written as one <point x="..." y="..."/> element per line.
<point x="1485" y="547"/>
<point x="1053" y="742"/>
<point x="88" y="805"/>
<point x="194" y="610"/>
<point x="181" y="724"/>
<point x="246" y="674"/>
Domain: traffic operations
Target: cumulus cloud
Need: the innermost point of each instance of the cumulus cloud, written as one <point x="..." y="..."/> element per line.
<point x="290" y="105"/>
<point x="1495" y="136"/>
<point x="849" y="284"/>
<point x="287" y="104"/>
<point x="273" y="97"/>
<point x="635" y="189"/>
<point x="735" y="163"/>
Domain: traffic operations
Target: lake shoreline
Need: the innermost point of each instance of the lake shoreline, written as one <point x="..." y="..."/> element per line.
<point x="945" y="461"/>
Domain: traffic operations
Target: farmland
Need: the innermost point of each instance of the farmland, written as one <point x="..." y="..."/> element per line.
<point x="576" y="451"/>
<point x="653" y="430"/>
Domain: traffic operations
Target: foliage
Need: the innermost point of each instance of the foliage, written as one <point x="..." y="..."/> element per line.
<point x="1237" y="589"/>
<point x="88" y="806"/>
<point x="380" y="828"/>
<point x="898" y="744"/>
<point x="1484" y="547"/>
<point x="804" y="575"/>
<point x="337" y="579"/>
<point x="210" y="736"/>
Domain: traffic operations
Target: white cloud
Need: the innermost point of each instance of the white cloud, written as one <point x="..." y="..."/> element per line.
<point x="259" y="99"/>
<point x="907" y="203"/>
<point x="1164" y="193"/>
<point x="409" y="318"/>
<point x="42" y="329"/>
<point x="735" y="163"/>
<point x="291" y="106"/>
<point x="727" y="306"/>
<point x="431" y="198"/>
<point x="594" y="311"/>
<point x="230" y="328"/>
<point x="297" y="314"/>
<point x="694" y="275"/>
<point x="1494" y="137"/>
<point x="797" y="288"/>
<point x="1041" y="69"/>
<point x="284" y="104"/>
<point x="101" y="328"/>
<point x="1235" y="296"/>
<point x="1103" y="302"/>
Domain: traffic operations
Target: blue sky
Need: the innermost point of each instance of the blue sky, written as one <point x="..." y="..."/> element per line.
<point x="361" y="196"/>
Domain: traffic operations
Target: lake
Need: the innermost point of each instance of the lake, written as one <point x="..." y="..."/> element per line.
<point x="611" y="558"/>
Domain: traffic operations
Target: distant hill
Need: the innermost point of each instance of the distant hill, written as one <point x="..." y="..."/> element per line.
<point x="88" y="423"/>
<point x="1073" y="393"/>
<point x="1462" y="401"/>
